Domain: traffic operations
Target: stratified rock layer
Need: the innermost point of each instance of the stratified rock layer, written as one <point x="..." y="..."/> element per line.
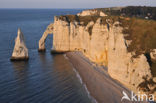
<point x="20" y="51"/>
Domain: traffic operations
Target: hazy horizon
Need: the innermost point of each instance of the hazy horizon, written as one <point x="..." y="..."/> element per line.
<point x="69" y="4"/>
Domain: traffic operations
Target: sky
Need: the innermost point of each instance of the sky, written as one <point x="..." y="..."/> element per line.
<point x="73" y="3"/>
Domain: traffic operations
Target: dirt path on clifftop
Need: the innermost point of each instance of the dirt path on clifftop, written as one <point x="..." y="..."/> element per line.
<point x="100" y="85"/>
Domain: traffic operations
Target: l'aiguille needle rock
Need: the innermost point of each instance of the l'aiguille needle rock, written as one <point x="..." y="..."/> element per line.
<point x="20" y="52"/>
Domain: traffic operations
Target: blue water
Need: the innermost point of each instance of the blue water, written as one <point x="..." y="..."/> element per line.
<point x="45" y="78"/>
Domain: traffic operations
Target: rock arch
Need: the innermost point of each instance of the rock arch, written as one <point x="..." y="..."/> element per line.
<point x="48" y="31"/>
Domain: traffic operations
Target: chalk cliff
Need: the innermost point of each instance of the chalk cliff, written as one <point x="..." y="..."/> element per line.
<point x="43" y="38"/>
<point x="20" y="51"/>
<point x="91" y="13"/>
<point x="102" y="40"/>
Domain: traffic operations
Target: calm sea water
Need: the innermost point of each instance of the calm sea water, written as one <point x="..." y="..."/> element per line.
<point x="45" y="78"/>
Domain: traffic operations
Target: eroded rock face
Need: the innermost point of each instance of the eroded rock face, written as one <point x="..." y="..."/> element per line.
<point x="20" y="51"/>
<point x="153" y="54"/>
<point x="48" y="31"/>
<point x="103" y="44"/>
<point x="121" y="65"/>
<point x="61" y="35"/>
<point x="91" y="13"/>
<point x="99" y="43"/>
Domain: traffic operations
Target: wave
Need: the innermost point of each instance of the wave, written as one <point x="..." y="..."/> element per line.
<point x="81" y="81"/>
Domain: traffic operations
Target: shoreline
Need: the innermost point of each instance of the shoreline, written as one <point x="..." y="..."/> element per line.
<point x="84" y="85"/>
<point x="97" y="80"/>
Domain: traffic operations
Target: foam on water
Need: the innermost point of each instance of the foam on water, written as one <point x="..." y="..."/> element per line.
<point x="81" y="81"/>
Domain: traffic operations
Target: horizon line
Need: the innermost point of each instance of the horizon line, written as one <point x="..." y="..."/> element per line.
<point x="79" y="8"/>
<point x="46" y="8"/>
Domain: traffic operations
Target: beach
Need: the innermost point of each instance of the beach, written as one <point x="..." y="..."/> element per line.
<point x="98" y="82"/>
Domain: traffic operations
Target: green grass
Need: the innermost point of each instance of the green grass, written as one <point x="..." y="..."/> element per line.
<point x="142" y="33"/>
<point x="131" y="11"/>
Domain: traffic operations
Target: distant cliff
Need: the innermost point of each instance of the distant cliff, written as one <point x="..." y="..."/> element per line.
<point x="131" y="11"/>
<point x="114" y="41"/>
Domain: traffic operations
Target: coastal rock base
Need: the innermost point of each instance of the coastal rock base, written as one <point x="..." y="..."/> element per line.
<point x="20" y="51"/>
<point x="57" y="52"/>
<point x="41" y="50"/>
<point x="19" y="58"/>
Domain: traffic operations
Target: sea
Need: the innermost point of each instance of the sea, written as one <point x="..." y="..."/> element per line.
<point x="45" y="78"/>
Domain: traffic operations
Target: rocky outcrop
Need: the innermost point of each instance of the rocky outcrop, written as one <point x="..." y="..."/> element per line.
<point x="20" y="51"/>
<point x="49" y="30"/>
<point x="104" y="43"/>
<point x="153" y="54"/>
<point x="91" y="13"/>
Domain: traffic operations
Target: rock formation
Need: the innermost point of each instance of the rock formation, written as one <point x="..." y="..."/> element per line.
<point x="91" y="13"/>
<point x="153" y="54"/>
<point x="20" y="51"/>
<point x="103" y="42"/>
<point x="49" y="30"/>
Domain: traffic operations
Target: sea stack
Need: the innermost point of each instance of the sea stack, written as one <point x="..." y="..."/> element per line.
<point x="20" y="52"/>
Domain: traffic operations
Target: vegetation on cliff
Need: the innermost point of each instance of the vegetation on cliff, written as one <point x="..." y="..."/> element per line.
<point x="143" y="36"/>
<point x="81" y="19"/>
<point x="131" y="11"/>
<point x="141" y="32"/>
<point x="84" y="20"/>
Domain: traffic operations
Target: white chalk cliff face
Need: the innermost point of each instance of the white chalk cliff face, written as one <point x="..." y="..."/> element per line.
<point x="20" y="51"/>
<point x="91" y="13"/>
<point x="121" y="65"/>
<point x="103" y="44"/>
<point x="61" y="42"/>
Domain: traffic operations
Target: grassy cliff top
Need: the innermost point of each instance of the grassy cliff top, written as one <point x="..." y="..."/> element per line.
<point x="142" y="32"/>
<point x="131" y="11"/>
<point x="143" y="35"/>
<point x="86" y="19"/>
